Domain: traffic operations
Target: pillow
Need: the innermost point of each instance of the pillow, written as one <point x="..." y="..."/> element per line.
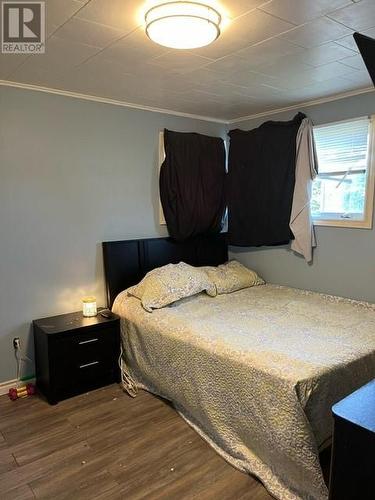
<point x="167" y="284"/>
<point x="232" y="276"/>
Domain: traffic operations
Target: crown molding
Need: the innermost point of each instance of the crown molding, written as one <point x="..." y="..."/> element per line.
<point x="300" y="105"/>
<point x="114" y="102"/>
<point x="105" y="100"/>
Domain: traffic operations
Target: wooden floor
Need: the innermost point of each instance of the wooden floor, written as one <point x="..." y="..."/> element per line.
<point x="105" y="445"/>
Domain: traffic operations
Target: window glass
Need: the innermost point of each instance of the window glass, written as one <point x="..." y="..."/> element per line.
<point x="340" y="189"/>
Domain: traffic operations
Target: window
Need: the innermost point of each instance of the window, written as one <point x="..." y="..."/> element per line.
<point x="343" y="192"/>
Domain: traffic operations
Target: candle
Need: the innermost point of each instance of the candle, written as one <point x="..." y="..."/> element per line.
<point x="89" y="307"/>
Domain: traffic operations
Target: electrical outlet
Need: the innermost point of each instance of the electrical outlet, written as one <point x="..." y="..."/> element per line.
<point x="16" y="343"/>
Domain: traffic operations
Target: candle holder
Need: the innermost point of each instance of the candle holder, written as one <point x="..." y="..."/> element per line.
<point x="89" y="307"/>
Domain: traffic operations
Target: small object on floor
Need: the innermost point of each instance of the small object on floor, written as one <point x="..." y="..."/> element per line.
<point x="21" y="392"/>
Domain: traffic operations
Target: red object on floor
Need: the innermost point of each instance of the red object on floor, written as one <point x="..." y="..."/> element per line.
<point x="21" y="392"/>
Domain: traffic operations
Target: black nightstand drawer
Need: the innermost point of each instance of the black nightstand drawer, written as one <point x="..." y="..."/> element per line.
<point x="82" y="347"/>
<point x="76" y="367"/>
<point x="78" y="374"/>
<point x="75" y="354"/>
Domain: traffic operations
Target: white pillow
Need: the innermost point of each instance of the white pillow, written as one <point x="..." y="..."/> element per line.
<point x="232" y="276"/>
<point x="167" y="284"/>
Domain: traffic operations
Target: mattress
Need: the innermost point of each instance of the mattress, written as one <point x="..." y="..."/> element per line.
<point x="255" y="372"/>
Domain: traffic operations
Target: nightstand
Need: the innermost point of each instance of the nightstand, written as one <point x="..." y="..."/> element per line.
<point x="352" y="463"/>
<point x="74" y="354"/>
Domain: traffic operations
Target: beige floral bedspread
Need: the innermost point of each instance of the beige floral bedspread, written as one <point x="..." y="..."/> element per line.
<point x="255" y="372"/>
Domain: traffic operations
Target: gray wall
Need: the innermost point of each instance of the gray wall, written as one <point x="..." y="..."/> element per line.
<point x="344" y="262"/>
<point x="73" y="173"/>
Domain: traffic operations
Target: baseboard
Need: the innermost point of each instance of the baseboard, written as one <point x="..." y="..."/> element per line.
<point x="5" y="386"/>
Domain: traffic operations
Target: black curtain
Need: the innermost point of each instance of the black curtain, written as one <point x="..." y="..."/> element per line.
<point x="192" y="184"/>
<point x="261" y="183"/>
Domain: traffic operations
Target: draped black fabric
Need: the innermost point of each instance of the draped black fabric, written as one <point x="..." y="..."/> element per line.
<point x="261" y="183"/>
<point x="192" y="184"/>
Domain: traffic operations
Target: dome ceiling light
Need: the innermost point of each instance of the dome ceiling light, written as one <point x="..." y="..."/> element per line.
<point x="183" y="25"/>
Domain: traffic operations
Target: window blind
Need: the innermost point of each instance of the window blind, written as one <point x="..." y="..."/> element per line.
<point x="342" y="146"/>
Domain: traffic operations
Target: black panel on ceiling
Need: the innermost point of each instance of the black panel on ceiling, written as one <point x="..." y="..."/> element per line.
<point x="366" y="47"/>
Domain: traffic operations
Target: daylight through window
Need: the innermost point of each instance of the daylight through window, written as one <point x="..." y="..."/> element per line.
<point x="343" y="191"/>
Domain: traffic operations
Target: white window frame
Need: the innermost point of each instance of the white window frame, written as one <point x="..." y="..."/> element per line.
<point x="366" y="222"/>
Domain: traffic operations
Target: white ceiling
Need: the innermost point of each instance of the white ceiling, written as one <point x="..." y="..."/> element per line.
<point x="272" y="54"/>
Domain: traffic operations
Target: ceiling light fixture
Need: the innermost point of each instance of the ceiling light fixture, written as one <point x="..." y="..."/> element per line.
<point x="183" y="25"/>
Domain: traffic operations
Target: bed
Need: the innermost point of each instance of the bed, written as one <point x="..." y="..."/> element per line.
<point x="255" y="372"/>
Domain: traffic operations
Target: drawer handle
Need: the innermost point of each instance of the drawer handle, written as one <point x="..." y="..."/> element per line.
<point x="87" y="341"/>
<point x="89" y="364"/>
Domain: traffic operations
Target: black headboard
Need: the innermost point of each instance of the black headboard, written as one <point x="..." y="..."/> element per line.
<point x="126" y="262"/>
